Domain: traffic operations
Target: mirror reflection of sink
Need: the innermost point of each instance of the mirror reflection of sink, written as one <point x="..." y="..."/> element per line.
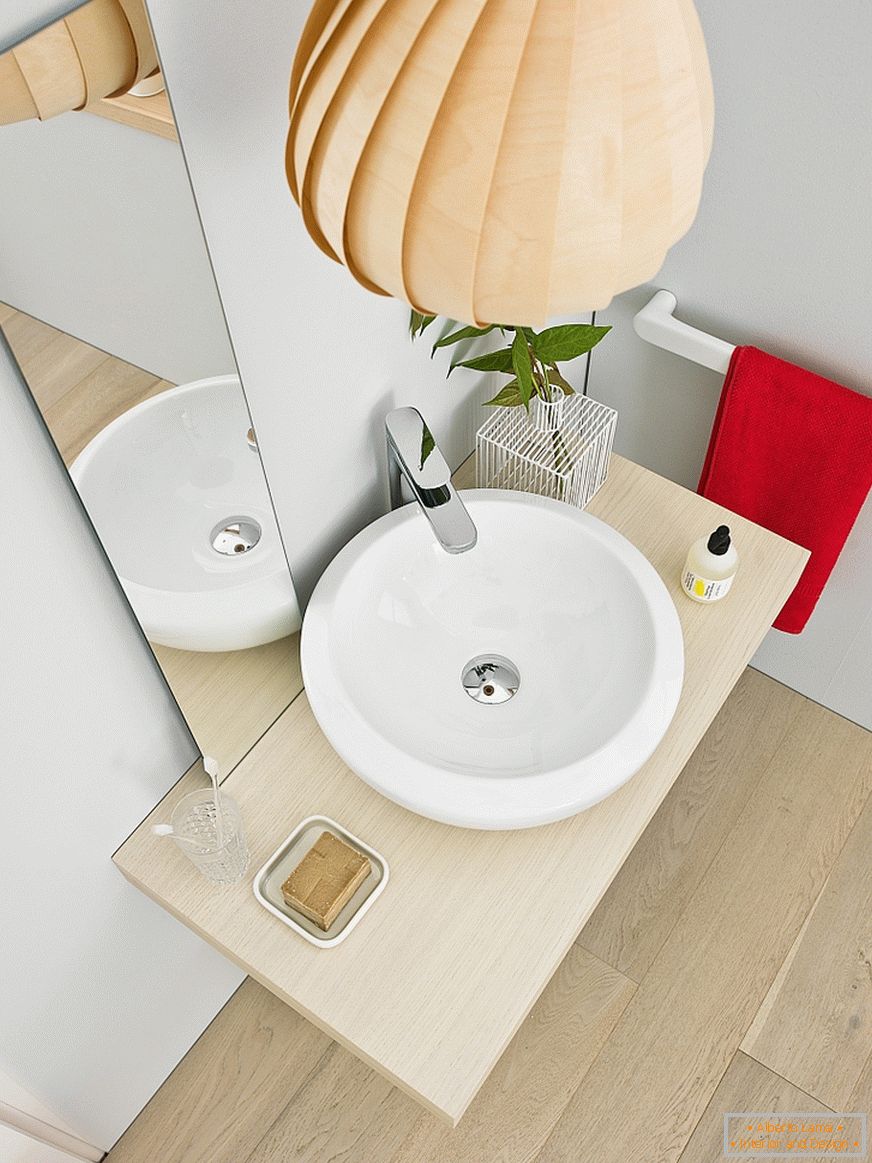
<point x="511" y="685"/>
<point x="179" y="500"/>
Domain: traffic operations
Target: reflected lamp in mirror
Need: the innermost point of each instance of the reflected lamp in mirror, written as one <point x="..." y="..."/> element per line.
<point x="493" y="160"/>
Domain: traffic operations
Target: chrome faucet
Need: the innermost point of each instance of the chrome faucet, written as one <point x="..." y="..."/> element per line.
<point x="413" y="455"/>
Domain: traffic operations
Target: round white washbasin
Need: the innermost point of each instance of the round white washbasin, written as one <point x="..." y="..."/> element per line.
<point x="159" y="483"/>
<point x="577" y="611"/>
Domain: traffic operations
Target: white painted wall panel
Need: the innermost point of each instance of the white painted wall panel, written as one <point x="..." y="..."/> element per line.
<point x="101" y="992"/>
<point x="780" y="257"/>
<point x="99" y="237"/>
<point x="321" y="359"/>
<point x="16" y="1147"/>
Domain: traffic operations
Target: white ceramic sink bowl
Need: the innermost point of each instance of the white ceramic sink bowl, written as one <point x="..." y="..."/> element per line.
<point x="583" y="616"/>
<point x="156" y="483"/>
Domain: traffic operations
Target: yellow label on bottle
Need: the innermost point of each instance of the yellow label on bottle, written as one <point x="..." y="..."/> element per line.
<point x="703" y="589"/>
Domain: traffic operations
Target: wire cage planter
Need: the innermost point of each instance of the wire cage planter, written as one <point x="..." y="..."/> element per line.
<point x="560" y="449"/>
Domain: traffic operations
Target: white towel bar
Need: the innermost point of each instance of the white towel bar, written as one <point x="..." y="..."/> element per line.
<point x="655" y="324"/>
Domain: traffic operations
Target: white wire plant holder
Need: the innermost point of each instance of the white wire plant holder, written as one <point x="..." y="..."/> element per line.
<point x="560" y="449"/>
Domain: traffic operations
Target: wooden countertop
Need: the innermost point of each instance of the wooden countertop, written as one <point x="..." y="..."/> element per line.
<point x="437" y="978"/>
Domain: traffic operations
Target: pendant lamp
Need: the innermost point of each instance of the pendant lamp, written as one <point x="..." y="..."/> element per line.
<point x="499" y="160"/>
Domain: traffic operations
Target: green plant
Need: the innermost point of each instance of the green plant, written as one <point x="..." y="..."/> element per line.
<point x="530" y="359"/>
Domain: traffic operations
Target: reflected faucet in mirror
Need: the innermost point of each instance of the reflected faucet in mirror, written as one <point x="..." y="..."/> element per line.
<point x="414" y="457"/>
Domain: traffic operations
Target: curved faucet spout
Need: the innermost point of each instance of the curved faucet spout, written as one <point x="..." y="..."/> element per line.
<point x="413" y="455"/>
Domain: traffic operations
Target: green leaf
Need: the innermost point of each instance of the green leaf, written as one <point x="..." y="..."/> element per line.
<point x="427" y="445"/>
<point x="555" y="378"/>
<point x="492" y="361"/>
<point x="463" y="333"/>
<point x="523" y="367"/>
<point x="568" y="341"/>
<point x="509" y="397"/>
<point x="419" y="323"/>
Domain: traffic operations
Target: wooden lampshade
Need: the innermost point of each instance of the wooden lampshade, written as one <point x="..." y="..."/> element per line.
<point x="100" y="49"/>
<point x="499" y="160"/>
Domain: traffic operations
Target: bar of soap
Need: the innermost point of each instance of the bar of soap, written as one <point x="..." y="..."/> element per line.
<point x="325" y="880"/>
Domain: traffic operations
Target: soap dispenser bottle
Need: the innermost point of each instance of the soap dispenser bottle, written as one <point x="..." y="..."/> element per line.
<point x="710" y="567"/>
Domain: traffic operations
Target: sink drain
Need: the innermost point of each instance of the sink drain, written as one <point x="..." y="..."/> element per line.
<point x="491" y="678"/>
<point x="235" y="535"/>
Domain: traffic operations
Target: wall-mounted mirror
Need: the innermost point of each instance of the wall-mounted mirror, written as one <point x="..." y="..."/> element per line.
<point x="108" y="303"/>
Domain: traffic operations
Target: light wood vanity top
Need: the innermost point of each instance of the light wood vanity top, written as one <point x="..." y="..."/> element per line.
<point x="436" y="979"/>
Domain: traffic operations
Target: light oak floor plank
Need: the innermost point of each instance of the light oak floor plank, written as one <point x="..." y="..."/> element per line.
<point x="230" y="1086"/>
<point x="818" y="1021"/>
<point x="353" y="1113"/>
<point x="861" y="1096"/>
<point x="56" y="364"/>
<point x="27" y="336"/>
<point x="51" y="361"/>
<point x="97" y="399"/>
<point x="646" y="898"/>
<point x="344" y="1111"/>
<point x="667" y="1054"/>
<point x="746" y="1086"/>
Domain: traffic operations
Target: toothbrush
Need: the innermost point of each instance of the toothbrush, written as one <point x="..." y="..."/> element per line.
<point x="169" y="830"/>
<point x="211" y="768"/>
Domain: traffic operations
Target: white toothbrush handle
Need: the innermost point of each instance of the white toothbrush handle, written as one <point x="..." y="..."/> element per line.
<point x="211" y="767"/>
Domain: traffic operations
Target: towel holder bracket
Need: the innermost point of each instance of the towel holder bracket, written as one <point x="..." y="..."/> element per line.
<point x="656" y="324"/>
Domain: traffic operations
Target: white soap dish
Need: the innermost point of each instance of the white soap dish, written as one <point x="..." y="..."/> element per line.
<point x="270" y="878"/>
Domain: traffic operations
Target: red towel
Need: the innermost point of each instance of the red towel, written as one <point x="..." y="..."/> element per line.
<point x="791" y="451"/>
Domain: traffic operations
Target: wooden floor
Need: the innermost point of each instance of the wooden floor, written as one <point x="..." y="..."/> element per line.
<point x="79" y="390"/>
<point x="728" y="967"/>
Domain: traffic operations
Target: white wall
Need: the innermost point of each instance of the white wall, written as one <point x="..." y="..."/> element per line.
<point x="101" y="992"/>
<point x="16" y="1147"/>
<point x="780" y="257"/>
<point x="22" y="1112"/>
<point x="321" y="360"/>
<point x="20" y="18"/>
<point x="99" y="237"/>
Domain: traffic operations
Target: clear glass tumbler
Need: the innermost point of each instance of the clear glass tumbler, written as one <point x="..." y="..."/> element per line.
<point x="220" y="853"/>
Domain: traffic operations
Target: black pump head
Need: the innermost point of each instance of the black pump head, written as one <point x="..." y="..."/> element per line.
<point x="719" y="542"/>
